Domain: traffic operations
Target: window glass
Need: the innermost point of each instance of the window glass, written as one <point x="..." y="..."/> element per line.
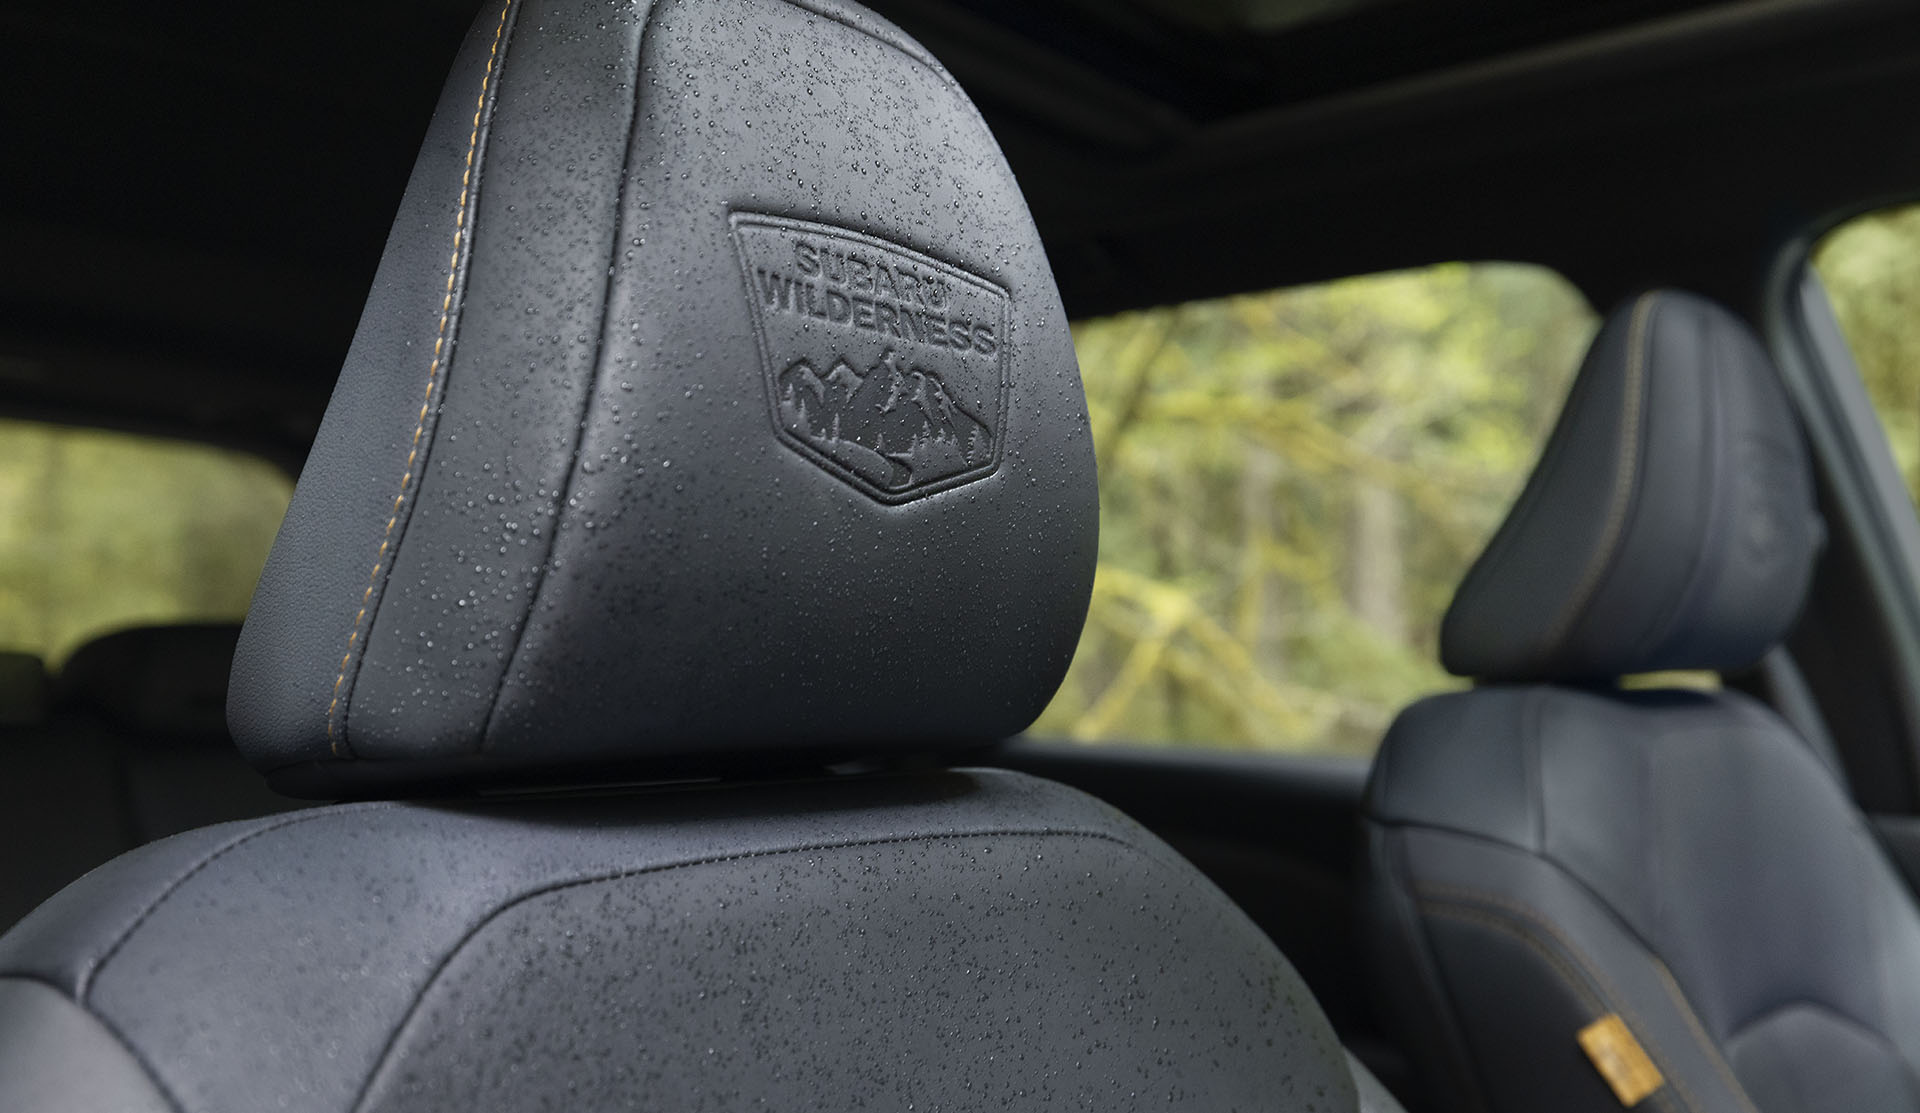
<point x="1291" y="485"/>
<point x="103" y="530"/>
<point x="1870" y="267"/>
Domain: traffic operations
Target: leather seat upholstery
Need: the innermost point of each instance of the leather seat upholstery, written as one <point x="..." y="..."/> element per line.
<point x="713" y="418"/>
<point x="1549" y="849"/>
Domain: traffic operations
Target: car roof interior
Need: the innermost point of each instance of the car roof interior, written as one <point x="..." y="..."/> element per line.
<point x="203" y="191"/>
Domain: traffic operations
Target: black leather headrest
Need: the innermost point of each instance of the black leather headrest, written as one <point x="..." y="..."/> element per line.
<point x="714" y="399"/>
<point x="1670" y="523"/>
<point x="154" y="681"/>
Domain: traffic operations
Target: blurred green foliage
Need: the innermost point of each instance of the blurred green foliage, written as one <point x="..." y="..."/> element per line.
<point x="1291" y="484"/>
<point x="103" y="530"/>
<point x="1871" y="268"/>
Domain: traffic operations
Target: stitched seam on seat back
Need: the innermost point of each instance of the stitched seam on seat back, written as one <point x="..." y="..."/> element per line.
<point x="84" y="984"/>
<point x="1699" y="1030"/>
<point x="1808" y="1004"/>
<point x="1559" y="870"/>
<point x="1515" y="908"/>
<point x="1404" y="910"/>
<point x="1604" y="1000"/>
<point x="446" y="959"/>
<point x="1851" y="1024"/>
<point x="1712" y="449"/>
<point x="1625" y="475"/>
<point x="383" y="558"/>
<point x="1535" y="710"/>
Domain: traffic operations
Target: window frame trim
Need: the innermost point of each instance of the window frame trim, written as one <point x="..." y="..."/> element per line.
<point x="1850" y="448"/>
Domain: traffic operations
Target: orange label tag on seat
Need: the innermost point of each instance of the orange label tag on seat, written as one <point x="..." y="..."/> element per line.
<point x="1620" y="1059"/>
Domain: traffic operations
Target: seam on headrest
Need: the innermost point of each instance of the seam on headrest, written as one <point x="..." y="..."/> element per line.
<point x="1717" y="442"/>
<point x="1625" y="476"/>
<point x="336" y="735"/>
<point x="1692" y="1019"/>
<point x="595" y="373"/>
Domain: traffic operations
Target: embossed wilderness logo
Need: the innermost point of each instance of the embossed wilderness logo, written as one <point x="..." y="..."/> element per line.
<point x="884" y="366"/>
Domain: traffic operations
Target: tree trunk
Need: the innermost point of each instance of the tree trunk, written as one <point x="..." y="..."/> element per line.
<point x="1377" y="562"/>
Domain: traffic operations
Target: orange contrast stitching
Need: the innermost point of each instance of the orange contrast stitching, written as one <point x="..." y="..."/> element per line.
<point x="1626" y="473"/>
<point x="1435" y="895"/>
<point x="1597" y="1002"/>
<point x="1700" y="1033"/>
<point x="433" y="375"/>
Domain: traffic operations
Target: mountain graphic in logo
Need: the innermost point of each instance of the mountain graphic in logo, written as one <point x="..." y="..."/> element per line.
<point x="884" y="366"/>
<point x="894" y="426"/>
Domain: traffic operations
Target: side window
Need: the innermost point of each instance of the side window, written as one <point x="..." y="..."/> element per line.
<point x="1291" y="485"/>
<point x="102" y="530"/>
<point x="1870" y="267"/>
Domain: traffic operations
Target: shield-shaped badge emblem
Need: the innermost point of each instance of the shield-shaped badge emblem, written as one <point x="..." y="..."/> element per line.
<point x="884" y="366"/>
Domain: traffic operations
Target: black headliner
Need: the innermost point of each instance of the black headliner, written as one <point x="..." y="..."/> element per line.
<point x="195" y="194"/>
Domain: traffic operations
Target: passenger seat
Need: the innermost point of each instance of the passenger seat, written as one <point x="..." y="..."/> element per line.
<point x="128" y="743"/>
<point x="157" y="695"/>
<point x="1584" y="897"/>
<point x="59" y="813"/>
